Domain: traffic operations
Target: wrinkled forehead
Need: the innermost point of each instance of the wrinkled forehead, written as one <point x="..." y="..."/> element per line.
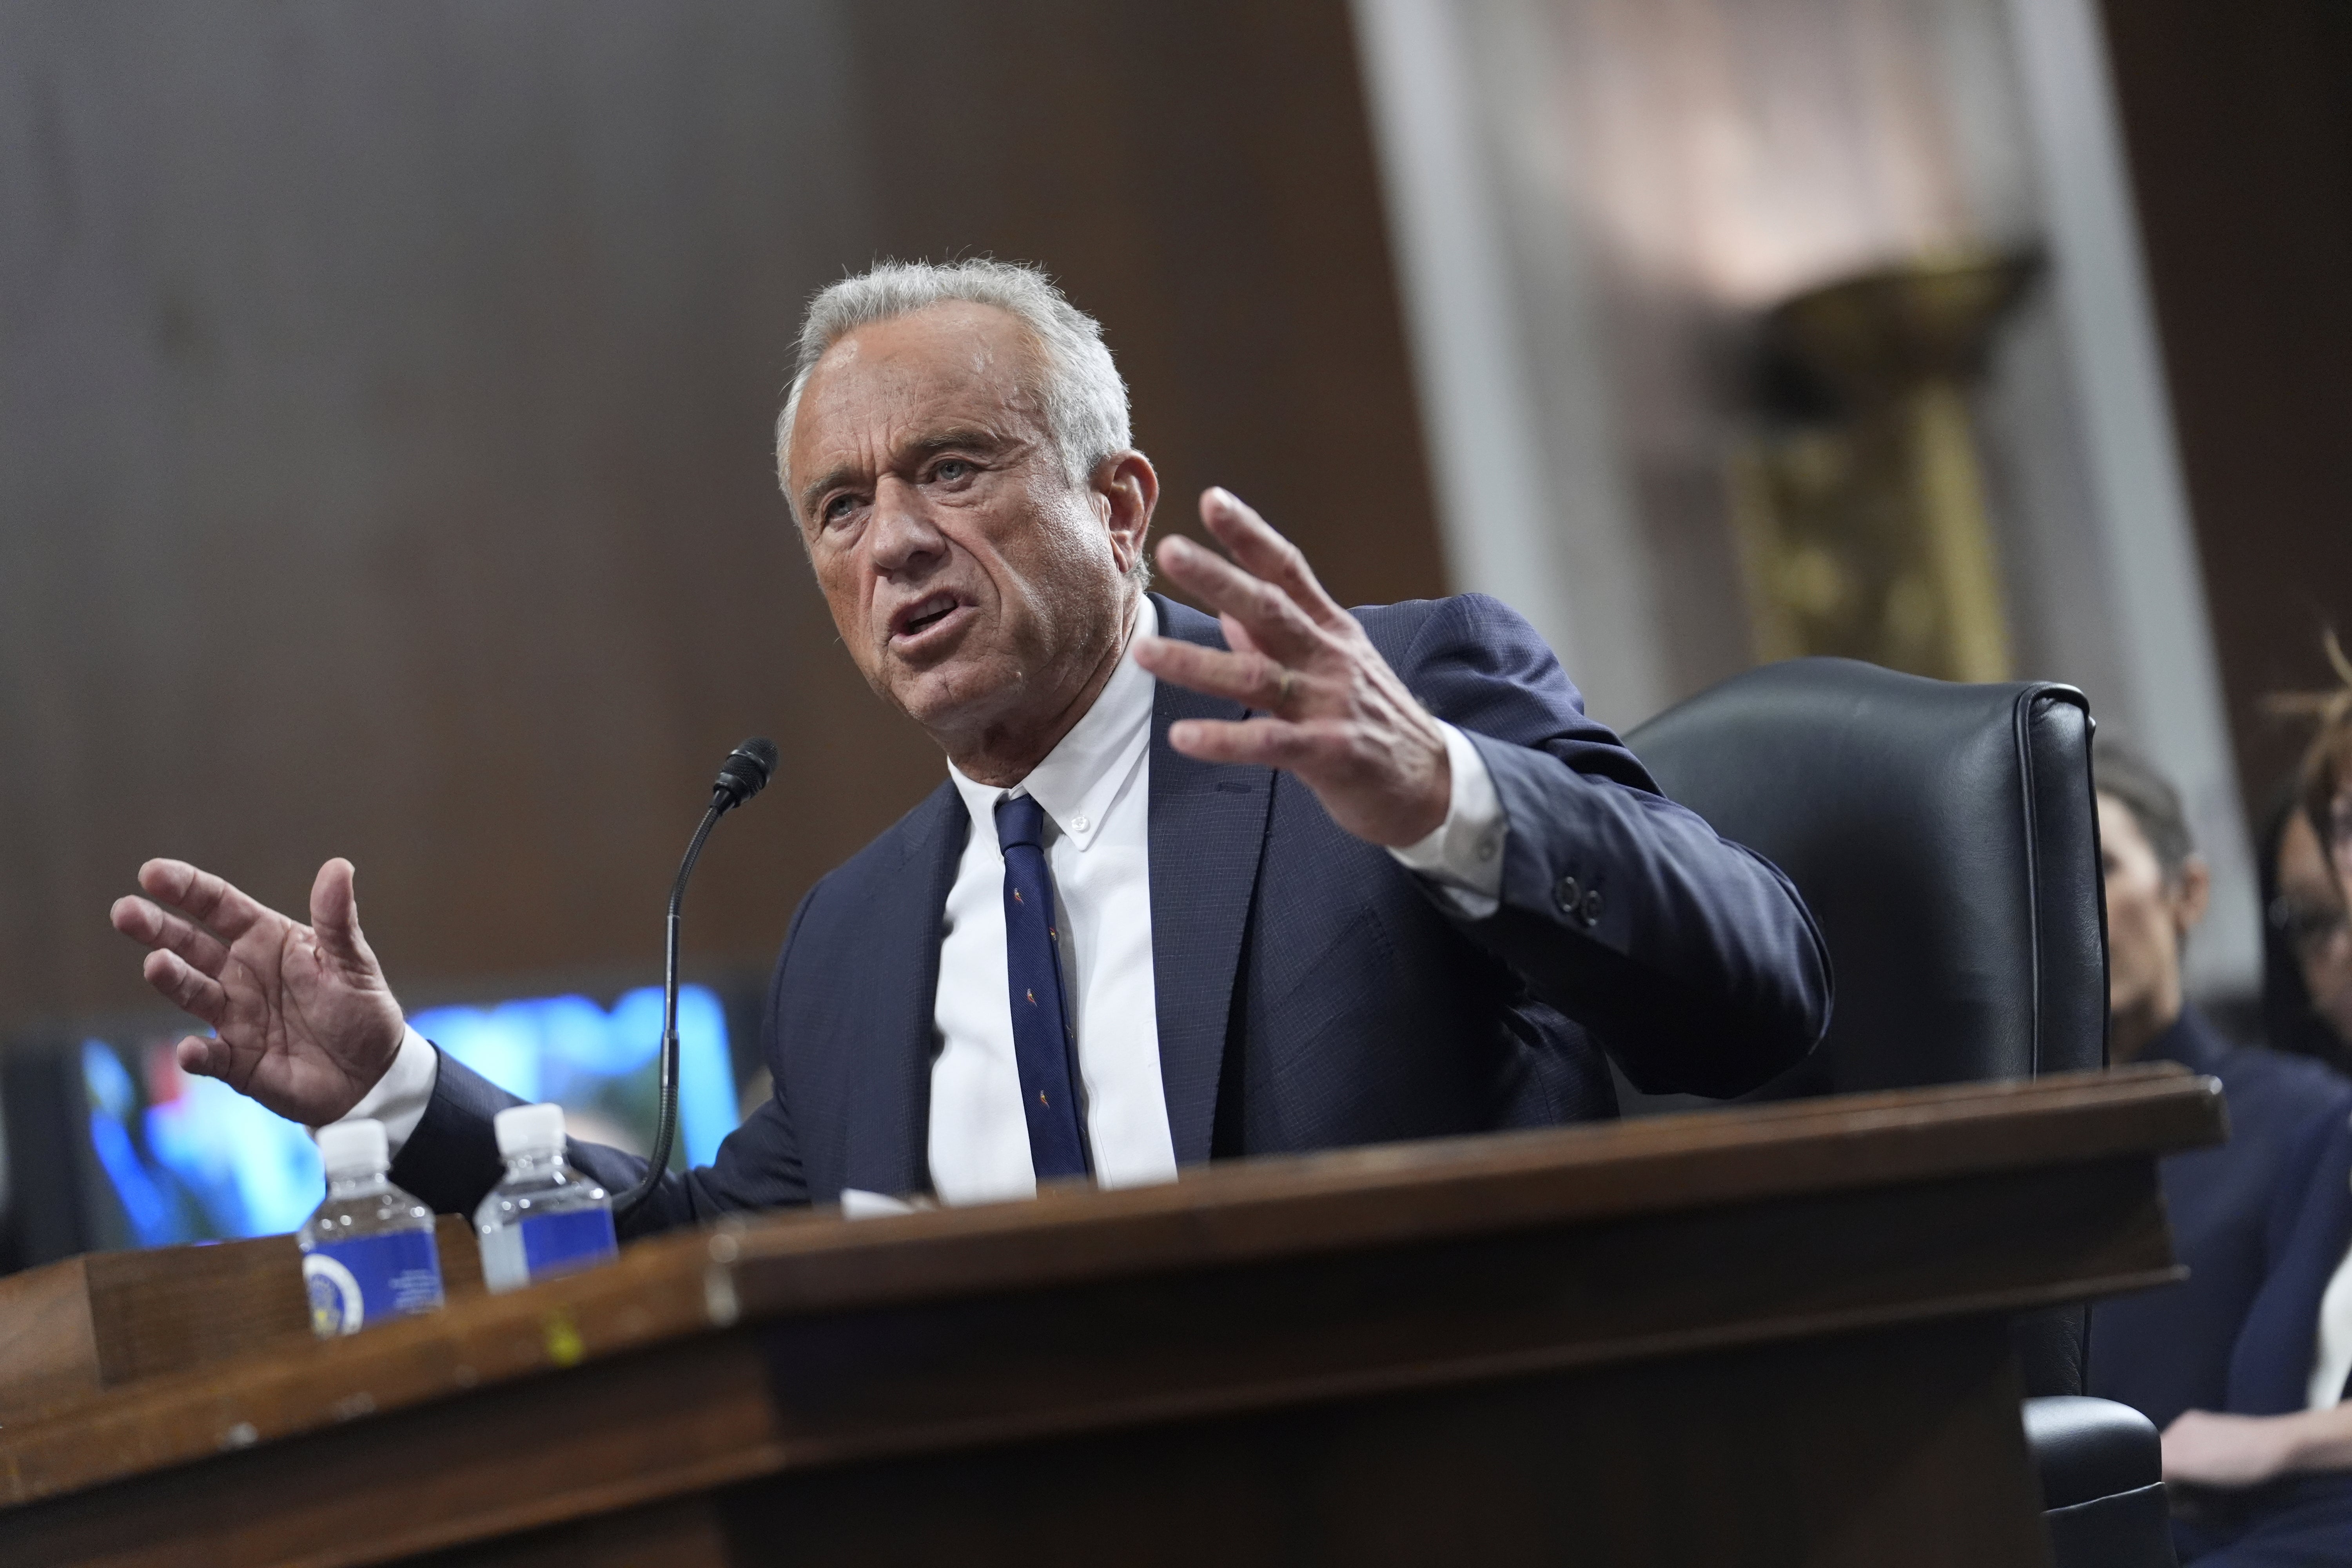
<point x="886" y="386"/>
<point x="2119" y="824"/>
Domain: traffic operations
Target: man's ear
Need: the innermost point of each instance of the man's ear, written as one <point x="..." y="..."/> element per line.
<point x="2196" y="888"/>
<point x="1127" y="488"/>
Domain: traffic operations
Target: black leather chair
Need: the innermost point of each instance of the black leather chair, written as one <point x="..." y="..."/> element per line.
<point x="1947" y="840"/>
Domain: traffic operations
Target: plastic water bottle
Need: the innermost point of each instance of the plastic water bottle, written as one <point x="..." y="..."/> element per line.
<point x="545" y="1218"/>
<point x="367" y="1252"/>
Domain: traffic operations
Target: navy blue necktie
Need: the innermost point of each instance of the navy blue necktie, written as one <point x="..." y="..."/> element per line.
<point x="1042" y="1041"/>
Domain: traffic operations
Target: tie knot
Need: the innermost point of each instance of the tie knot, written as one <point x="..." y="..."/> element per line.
<point x="1020" y="820"/>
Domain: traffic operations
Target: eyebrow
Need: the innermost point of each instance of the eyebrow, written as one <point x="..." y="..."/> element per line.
<point x="970" y="437"/>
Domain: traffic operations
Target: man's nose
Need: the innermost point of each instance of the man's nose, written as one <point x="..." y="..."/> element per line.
<point x="904" y="536"/>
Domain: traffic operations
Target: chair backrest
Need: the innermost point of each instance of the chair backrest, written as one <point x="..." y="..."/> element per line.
<point x="1945" y="838"/>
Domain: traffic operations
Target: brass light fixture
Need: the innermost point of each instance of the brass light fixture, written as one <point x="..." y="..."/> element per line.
<point x="1859" y="503"/>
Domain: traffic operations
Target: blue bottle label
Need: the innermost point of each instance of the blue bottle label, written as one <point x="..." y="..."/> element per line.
<point x="371" y="1280"/>
<point x="556" y="1243"/>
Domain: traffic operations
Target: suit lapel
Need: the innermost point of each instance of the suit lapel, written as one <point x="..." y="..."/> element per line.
<point x="1207" y="828"/>
<point x="2270" y="1368"/>
<point x="890" y="1106"/>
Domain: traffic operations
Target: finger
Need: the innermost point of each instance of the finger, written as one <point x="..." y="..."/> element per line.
<point x="1265" y="742"/>
<point x="183" y="988"/>
<point x="335" y="913"/>
<point x="1237" y="636"/>
<point x="201" y="896"/>
<point x="203" y="1055"/>
<point x="1250" y="679"/>
<point x="143" y="922"/>
<point x="1273" y="622"/>
<point x="135" y="918"/>
<point x="1266" y="554"/>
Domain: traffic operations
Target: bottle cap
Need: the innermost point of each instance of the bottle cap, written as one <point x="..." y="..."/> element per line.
<point x="528" y="1130"/>
<point x="353" y="1149"/>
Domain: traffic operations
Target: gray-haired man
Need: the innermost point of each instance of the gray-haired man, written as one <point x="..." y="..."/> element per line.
<point x="1291" y="878"/>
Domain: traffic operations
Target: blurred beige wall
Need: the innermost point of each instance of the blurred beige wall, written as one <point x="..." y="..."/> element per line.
<point x="1595" y="201"/>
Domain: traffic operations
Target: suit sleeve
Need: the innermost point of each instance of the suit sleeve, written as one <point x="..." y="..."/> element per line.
<point x="452" y="1161"/>
<point x="1692" y="959"/>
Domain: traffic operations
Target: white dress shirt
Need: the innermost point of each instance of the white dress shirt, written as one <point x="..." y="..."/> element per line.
<point x="1095" y="790"/>
<point x="2332" y="1365"/>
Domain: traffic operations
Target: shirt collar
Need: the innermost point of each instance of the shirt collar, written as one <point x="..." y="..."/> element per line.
<point x="1085" y="772"/>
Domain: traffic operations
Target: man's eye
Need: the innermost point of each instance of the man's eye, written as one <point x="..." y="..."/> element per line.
<point x="838" y="508"/>
<point x="951" y="469"/>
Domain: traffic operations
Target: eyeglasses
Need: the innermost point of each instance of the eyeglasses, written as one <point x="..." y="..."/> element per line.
<point x="2304" y="927"/>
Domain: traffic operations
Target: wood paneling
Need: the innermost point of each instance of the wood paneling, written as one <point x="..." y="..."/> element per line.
<point x="2239" y="125"/>
<point x="385" y="406"/>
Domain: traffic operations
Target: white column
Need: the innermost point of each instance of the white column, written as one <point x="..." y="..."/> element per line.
<point x="1532" y="504"/>
<point x="2171" y="692"/>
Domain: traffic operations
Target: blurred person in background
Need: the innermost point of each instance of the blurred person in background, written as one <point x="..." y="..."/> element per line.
<point x="2167" y="1350"/>
<point x="2306" y="941"/>
<point x="2263" y="1475"/>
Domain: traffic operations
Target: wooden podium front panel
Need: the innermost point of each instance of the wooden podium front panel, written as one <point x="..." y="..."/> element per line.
<point x="106" y="1320"/>
<point x="1900" y="1446"/>
<point x="1788" y="1318"/>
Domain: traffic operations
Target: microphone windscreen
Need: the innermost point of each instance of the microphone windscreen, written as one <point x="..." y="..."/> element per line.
<point x="747" y="770"/>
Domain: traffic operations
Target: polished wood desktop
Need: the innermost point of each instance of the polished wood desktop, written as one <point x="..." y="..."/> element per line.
<point x="1770" y="1335"/>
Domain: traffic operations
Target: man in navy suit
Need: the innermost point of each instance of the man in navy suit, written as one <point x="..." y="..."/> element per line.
<point x="1291" y="878"/>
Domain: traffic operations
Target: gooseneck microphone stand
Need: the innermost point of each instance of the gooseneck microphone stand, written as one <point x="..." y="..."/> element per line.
<point x="743" y="776"/>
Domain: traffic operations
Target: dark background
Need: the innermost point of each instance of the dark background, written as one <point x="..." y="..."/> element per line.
<point x="385" y="398"/>
<point x="2239" y="125"/>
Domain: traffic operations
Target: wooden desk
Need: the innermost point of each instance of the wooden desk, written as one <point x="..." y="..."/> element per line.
<point x="1767" y="1336"/>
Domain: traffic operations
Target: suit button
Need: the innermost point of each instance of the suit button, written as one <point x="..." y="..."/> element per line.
<point x="1592" y="905"/>
<point x="1567" y="894"/>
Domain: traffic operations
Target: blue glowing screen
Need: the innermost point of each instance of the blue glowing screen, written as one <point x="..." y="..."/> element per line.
<point x="190" y="1159"/>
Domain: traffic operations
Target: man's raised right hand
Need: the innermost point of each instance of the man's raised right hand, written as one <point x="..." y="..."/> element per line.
<point x="303" y="1020"/>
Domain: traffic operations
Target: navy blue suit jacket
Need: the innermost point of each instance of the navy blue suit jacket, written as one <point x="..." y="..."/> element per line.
<point x="2168" y="1350"/>
<point x="1312" y="993"/>
<point x="2304" y="1518"/>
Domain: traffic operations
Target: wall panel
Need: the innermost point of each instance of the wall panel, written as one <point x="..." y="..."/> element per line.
<point x="385" y="396"/>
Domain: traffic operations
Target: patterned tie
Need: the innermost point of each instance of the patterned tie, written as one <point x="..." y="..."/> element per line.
<point x="1041" y="1044"/>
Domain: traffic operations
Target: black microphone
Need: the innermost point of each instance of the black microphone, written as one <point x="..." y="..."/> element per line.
<point x="743" y="774"/>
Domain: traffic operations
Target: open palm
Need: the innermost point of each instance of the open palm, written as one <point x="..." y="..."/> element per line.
<point x="303" y="1021"/>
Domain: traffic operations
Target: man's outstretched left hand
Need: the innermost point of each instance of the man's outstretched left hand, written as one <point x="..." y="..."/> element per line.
<point x="1328" y="707"/>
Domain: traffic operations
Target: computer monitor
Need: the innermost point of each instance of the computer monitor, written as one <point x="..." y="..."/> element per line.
<point x="106" y="1125"/>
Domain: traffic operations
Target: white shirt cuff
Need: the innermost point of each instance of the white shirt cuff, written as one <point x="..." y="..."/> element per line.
<point x="1464" y="854"/>
<point x="400" y="1095"/>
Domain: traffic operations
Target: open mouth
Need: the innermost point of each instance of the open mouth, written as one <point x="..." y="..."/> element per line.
<point x="925" y="615"/>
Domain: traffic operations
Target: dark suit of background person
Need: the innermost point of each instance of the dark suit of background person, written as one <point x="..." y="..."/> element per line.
<point x="1312" y="993"/>
<point x="2264" y="1480"/>
<point x="2167" y="1350"/>
<point x="2305" y="1517"/>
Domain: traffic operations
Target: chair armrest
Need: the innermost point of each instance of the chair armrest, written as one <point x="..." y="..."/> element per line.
<point x="2102" y="1470"/>
<point x="2085" y="1450"/>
